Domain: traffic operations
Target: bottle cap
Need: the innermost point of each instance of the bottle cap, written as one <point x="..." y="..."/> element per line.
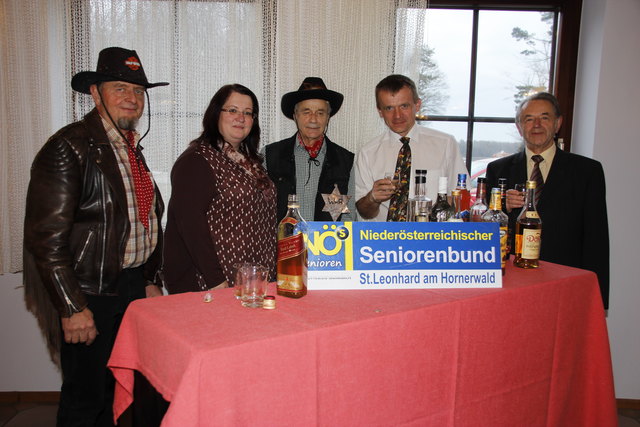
<point x="292" y="201"/>
<point x="442" y="185"/>
<point x="531" y="184"/>
<point x="269" y="302"/>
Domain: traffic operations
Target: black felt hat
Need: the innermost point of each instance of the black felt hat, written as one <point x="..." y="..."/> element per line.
<point x="311" y="88"/>
<point x="114" y="64"/>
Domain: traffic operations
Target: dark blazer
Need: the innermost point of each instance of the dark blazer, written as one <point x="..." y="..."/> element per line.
<point x="573" y="210"/>
<point x="281" y="167"/>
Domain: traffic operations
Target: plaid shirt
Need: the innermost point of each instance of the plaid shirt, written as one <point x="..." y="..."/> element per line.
<point x="308" y="177"/>
<point x="141" y="242"/>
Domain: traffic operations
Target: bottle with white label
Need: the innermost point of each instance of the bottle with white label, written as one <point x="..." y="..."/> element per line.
<point x="528" y="232"/>
<point x="420" y="205"/>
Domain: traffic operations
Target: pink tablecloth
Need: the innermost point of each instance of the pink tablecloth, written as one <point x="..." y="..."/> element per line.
<point x="534" y="353"/>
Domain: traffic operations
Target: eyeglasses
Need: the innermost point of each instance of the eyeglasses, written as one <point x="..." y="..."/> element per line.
<point x="236" y="112"/>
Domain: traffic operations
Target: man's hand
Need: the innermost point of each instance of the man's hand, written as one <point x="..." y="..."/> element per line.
<point x="79" y="328"/>
<point x="153" y="291"/>
<point x="515" y="200"/>
<point x="382" y="190"/>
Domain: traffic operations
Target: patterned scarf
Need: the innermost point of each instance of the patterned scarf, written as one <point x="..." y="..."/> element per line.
<point x="254" y="169"/>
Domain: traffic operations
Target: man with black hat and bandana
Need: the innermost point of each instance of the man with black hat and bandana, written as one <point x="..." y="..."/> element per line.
<point x="308" y="163"/>
<point x="92" y="234"/>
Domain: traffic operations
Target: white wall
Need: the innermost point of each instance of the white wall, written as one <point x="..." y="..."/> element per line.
<point x="605" y="124"/>
<point x="24" y="362"/>
<point x="605" y="128"/>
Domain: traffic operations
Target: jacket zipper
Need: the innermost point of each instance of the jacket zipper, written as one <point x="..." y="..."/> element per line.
<point x="84" y="248"/>
<point x="74" y="308"/>
<point x="104" y="233"/>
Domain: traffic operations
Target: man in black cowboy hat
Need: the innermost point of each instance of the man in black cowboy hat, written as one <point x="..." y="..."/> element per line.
<point x="92" y="235"/>
<point x="309" y="164"/>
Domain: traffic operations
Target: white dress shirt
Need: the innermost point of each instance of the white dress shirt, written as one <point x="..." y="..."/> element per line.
<point x="435" y="151"/>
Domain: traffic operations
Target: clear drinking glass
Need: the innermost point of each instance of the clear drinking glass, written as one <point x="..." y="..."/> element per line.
<point x="236" y="283"/>
<point x="252" y="281"/>
<point x="390" y="175"/>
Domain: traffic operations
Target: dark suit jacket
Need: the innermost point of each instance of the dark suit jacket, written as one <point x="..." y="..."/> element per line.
<point x="573" y="210"/>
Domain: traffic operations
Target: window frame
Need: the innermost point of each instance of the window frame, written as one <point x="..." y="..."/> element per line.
<point x="564" y="59"/>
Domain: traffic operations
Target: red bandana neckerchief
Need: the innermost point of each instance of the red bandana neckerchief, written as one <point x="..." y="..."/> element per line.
<point x="143" y="187"/>
<point x="314" y="149"/>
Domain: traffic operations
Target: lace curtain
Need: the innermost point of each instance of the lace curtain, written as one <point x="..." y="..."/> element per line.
<point x="269" y="46"/>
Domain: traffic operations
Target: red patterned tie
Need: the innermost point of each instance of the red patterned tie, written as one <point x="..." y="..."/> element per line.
<point x="141" y="181"/>
<point x="398" y="203"/>
<point x="536" y="175"/>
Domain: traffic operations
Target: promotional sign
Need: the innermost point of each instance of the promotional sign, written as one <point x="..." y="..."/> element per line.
<point x="403" y="255"/>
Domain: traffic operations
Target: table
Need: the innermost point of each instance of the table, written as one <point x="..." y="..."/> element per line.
<point x="533" y="353"/>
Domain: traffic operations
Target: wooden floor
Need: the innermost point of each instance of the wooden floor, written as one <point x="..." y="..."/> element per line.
<point x="43" y="414"/>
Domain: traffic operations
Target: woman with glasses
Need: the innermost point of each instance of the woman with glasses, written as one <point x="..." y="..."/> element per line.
<point x="223" y="205"/>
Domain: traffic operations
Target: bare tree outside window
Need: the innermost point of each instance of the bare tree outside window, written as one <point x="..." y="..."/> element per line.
<point x="432" y="84"/>
<point x="537" y="50"/>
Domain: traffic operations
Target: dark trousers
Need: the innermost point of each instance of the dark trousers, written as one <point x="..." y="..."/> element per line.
<point x="86" y="398"/>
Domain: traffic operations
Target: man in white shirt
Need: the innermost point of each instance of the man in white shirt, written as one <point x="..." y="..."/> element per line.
<point x="398" y="103"/>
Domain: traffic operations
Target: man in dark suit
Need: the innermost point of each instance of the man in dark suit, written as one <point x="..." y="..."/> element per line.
<point x="572" y="202"/>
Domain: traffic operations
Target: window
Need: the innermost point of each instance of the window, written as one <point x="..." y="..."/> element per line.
<point x="182" y="46"/>
<point x="476" y="63"/>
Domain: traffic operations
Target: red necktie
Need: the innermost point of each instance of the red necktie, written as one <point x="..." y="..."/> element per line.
<point x="141" y="181"/>
<point x="536" y="175"/>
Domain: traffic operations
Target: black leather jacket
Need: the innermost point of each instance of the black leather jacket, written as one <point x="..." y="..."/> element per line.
<point x="76" y="224"/>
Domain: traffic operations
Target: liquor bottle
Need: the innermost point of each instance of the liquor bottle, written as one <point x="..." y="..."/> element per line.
<point x="466" y="195"/>
<point x="479" y="206"/>
<point x="459" y="215"/>
<point x="442" y="210"/>
<point x="292" y="252"/>
<point x="495" y="214"/>
<point x="502" y="184"/>
<point x="420" y="205"/>
<point x="528" y="232"/>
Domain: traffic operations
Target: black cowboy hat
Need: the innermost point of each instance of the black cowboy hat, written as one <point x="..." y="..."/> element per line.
<point x="311" y="88"/>
<point x="114" y="64"/>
